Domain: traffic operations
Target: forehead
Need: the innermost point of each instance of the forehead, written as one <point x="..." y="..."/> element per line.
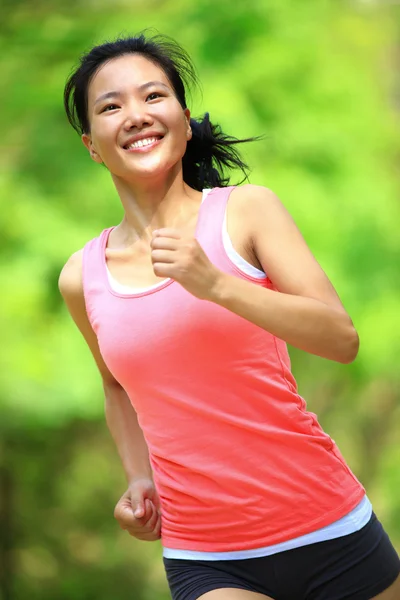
<point x="130" y="70"/>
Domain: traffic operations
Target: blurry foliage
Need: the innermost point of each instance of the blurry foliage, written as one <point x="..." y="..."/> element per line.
<point x="321" y="81"/>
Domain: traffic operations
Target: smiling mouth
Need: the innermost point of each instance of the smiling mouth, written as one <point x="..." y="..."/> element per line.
<point x="150" y="141"/>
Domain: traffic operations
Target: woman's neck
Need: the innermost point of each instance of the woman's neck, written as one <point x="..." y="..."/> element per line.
<point x="151" y="205"/>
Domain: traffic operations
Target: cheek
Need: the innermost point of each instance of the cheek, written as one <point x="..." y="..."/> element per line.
<point x="104" y="129"/>
<point x="180" y="125"/>
<point x="174" y="119"/>
<point x="104" y="134"/>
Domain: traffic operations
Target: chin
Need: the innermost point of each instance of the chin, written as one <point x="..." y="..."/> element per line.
<point x="151" y="171"/>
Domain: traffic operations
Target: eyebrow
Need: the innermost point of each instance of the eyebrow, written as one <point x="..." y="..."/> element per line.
<point x="118" y="94"/>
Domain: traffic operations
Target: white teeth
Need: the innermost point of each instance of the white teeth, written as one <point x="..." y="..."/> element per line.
<point x="141" y="143"/>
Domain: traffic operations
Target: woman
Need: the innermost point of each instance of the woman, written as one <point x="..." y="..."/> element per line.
<point x="187" y="306"/>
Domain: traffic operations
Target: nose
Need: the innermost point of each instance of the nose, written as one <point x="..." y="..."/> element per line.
<point x="137" y="116"/>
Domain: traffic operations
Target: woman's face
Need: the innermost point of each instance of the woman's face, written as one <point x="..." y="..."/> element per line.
<point x="130" y="99"/>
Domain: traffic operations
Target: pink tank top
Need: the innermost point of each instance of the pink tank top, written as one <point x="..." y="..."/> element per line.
<point x="238" y="461"/>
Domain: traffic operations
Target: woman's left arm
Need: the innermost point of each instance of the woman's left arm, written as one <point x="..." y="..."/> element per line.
<point x="306" y="312"/>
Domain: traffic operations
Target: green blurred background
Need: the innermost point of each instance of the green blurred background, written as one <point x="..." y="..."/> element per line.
<point x="321" y="80"/>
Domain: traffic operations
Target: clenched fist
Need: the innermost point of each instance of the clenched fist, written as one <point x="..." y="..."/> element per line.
<point x="182" y="258"/>
<point x="138" y="511"/>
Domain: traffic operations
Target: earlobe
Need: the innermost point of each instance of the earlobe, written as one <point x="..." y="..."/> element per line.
<point x="189" y="132"/>
<point x="87" y="142"/>
<point x="189" y="129"/>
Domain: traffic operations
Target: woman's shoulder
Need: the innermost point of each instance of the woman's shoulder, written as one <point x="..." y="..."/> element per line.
<point x="251" y="202"/>
<point x="254" y="193"/>
<point x="70" y="280"/>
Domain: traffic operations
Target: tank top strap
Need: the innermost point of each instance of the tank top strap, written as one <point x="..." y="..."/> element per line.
<point x="93" y="272"/>
<point x="211" y="217"/>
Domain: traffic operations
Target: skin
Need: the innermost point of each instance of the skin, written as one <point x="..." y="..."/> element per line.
<point x="150" y="185"/>
<point x="155" y="240"/>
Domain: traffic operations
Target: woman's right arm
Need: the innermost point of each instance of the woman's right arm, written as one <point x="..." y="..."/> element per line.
<point x="120" y="415"/>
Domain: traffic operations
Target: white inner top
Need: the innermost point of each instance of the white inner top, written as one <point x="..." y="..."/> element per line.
<point x="240" y="263"/>
<point x="350" y="523"/>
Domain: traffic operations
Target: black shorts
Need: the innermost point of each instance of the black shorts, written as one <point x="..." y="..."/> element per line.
<point x="357" y="566"/>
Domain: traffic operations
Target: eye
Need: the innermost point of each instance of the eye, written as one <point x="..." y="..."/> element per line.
<point x="153" y="96"/>
<point x="109" y="107"/>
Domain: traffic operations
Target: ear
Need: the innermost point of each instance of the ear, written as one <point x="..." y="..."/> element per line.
<point x="87" y="142"/>
<point x="189" y="129"/>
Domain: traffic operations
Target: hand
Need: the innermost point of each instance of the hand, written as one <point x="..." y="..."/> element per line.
<point x="183" y="259"/>
<point x="138" y="511"/>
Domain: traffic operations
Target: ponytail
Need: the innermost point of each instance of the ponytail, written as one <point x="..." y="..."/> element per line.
<point x="208" y="153"/>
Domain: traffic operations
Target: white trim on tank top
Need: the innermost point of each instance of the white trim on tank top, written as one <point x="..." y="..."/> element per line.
<point x="353" y="521"/>
<point x="234" y="256"/>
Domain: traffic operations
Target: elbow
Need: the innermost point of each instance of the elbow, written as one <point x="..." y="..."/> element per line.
<point x="350" y="347"/>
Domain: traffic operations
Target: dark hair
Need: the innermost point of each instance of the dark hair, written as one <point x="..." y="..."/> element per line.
<point x="208" y="152"/>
